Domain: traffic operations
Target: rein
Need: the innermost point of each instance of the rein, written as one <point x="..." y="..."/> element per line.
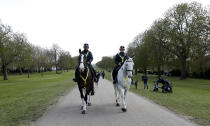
<point x="125" y="79"/>
<point x="85" y="79"/>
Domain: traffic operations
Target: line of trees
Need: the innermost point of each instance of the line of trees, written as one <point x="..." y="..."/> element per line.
<point x="178" y="42"/>
<point x="18" y="55"/>
<point x="106" y="63"/>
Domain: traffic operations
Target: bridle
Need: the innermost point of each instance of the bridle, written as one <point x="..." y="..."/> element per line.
<point x="126" y="69"/>
<point x="84" y="57"/>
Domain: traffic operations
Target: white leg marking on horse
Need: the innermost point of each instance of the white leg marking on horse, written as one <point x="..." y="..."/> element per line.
<point x="83" y="99"/>
<point x="122" y="96"/>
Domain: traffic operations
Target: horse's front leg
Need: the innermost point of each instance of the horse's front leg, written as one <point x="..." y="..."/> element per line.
<point x="84" y="107"/>
<point x="124" y="109"/>
<point x="125" y="93"/>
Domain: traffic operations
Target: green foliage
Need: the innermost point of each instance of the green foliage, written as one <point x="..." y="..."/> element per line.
<point x="18" y="55"/>
<point x="106" y="63"/>
<point x="178" y="41"/>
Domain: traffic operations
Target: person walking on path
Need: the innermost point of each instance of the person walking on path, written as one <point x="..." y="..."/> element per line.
<point x="145" y="80"/>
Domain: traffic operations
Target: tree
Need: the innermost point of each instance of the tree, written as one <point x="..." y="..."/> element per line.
<point x="55" y="50"/>
<point x="22" y="49"/>
<point x="7" y="53"/>
<point x="156" y="37"/>
<point x="186" y="25"/>
<point x="106" y="63"/>
<point x="64" y="61"/>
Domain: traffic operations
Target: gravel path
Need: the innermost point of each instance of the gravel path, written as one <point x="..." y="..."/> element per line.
<point x="103" y="112"/>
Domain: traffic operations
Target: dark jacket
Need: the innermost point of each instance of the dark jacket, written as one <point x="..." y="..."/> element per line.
<point x="120" y="58"/>
<point x="144" y="78"/>
<point x="88" y="55"/>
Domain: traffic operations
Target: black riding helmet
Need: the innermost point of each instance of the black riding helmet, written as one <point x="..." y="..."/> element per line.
<point x="122" y="48"/>
<point x="86" y="45"/>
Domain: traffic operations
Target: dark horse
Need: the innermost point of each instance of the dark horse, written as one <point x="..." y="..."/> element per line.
<point x="85" y="81"/>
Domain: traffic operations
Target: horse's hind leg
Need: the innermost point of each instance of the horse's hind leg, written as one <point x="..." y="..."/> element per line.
<point x="116" y="95"/>
<point x="89" y="103"/>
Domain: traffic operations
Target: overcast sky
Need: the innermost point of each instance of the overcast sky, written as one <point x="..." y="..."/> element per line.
<point x="104" y="24"/>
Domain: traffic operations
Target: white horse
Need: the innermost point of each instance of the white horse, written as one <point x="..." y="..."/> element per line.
<point x="124" y="82"/>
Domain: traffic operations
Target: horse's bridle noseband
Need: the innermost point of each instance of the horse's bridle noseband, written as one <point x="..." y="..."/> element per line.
<point x="128" y="70"/>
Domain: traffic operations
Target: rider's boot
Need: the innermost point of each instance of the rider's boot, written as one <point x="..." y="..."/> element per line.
<point x="115" y="81"/>
<point x="75" y="79"/>
<point x="114" y="76"/>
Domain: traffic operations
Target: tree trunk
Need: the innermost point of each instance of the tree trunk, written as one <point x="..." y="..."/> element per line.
<point x="4" y="67"/>
<point x="56" y="69"/>
<point x="20" y="69"/>
<point x="28" y="74"/>
<point x="159" y="70"/>
<point x="183" y="68"/>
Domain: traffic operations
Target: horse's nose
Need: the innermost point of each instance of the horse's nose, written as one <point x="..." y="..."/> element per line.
<point x="129" y="76"/>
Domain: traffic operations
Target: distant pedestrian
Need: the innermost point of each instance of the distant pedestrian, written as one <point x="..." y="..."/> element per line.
<point x="145" y="80"/>
<point x="103" y="74"/>
<point x="136" y="84"/>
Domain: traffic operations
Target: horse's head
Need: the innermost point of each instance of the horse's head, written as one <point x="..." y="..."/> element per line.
<point x="82" y="62"/>
<point x="129" y="67"/>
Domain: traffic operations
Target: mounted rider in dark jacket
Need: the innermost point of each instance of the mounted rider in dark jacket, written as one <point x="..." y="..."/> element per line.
<point x="119" y="60"/>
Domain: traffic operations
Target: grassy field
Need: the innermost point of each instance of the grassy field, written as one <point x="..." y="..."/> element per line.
<point x="23" y="100"/>
<point x="191" y="97"/>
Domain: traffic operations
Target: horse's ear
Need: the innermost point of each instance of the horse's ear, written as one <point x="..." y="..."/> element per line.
<point x="127" y="57"/>
<point x="79" y="51"/>
<point x="133" y="57"/>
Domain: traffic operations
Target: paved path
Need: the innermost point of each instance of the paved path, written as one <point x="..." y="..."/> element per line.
<point x="103" y="111"/>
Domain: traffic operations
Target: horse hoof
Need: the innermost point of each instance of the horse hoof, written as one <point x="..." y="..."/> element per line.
<point x="124" y="109"/>
<point x="83" y="112"/>
<point x="89" y="104"/>
<point x="117" y="104"/>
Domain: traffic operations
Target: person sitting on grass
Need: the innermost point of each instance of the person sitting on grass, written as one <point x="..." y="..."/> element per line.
<point x="155" y="86"/>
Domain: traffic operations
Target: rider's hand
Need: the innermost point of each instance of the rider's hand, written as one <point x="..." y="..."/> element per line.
<point x="88" y="62"/>
<point x="119" y="64"/>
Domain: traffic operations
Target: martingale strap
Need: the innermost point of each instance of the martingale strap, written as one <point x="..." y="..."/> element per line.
<point x="87" y="54"/>
<point x="125" y="79"/>
<point x="85" y="79"/>
<point x="121" y="57"/>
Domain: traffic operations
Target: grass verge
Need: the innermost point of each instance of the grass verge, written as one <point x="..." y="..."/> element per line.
<point x="23" y="100"/>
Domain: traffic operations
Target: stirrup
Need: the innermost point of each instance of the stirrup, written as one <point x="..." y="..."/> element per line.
<point x="74" y="79"/>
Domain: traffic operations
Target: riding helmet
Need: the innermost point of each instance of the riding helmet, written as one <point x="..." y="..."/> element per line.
<point x="86" y="45"/>
<point x="122" y="48"/>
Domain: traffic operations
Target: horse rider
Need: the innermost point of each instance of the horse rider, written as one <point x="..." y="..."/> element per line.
<point x="119" y="60"/>
<point x="89" y="57"/>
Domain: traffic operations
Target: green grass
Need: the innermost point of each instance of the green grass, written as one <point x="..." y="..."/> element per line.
<point x="23" y="100"/>
<point x="191" y="97"/>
